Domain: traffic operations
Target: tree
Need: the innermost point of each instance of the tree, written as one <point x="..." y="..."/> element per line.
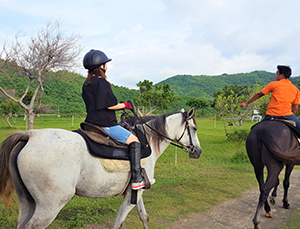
<point x="260" y="104"/>
<point x="8" y="108"/>
<point x="155" y="97"/>
<point x="227" y="106"/>
<point x="236" y="89"/>
<point x="197" y="103"/>
<point x="26" y="100"/>
<point x="49" y="50"/>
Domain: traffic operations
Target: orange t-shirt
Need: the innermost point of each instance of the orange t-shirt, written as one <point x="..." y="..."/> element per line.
<point x="283" y="94"/>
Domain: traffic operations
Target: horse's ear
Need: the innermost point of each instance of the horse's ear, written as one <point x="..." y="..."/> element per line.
<point x="182" y="110"/>
<point x="190" y="113"/>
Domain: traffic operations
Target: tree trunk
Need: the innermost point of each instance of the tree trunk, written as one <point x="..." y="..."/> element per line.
<point x="31" y="117"/>
<point x="242" y="116"/>
<point x="25" y="115"/>
<point x="224" y="121"/>
<point x="7" y="117"/>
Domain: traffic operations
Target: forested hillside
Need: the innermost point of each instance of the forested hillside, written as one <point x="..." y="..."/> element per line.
<point x="63" y="88"/>
<point x="203" y="86"/>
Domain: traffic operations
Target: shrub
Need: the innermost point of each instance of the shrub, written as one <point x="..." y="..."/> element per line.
<point x="238" y="135"/>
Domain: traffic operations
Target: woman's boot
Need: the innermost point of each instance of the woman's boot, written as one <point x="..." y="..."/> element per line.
<point x="137" y="181"/>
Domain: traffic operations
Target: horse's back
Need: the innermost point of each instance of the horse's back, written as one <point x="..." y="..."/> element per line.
<point x="52" y="146"/>
<point x="272" y="137"/>
<point x="273" y="132"/>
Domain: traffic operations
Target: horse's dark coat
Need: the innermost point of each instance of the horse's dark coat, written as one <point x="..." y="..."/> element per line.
<point x="271" y="144"/>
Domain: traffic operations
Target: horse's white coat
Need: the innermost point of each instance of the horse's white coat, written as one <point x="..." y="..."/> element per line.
<point x="55" y="164"/>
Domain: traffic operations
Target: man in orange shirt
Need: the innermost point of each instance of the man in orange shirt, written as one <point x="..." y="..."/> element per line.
<point x="285" y="97"/>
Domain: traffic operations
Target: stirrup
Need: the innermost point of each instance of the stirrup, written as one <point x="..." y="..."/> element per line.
<point x="139" y="185"/>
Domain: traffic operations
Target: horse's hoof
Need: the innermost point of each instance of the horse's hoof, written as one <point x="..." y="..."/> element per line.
<point x="269" y="215"/>
<point x="256" y="226"/>
<point x="272" y="200"/>
<point x="286" y="206"/>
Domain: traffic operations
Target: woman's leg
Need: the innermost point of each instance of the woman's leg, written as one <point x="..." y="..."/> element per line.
<point x="124" y="136"/>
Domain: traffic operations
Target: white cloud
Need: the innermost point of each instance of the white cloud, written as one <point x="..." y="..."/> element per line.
<point x="157" y="39"/>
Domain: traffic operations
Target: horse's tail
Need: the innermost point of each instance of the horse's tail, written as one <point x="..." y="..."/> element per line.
<point x="288" y="156"/>
<point x="8" y="151"/>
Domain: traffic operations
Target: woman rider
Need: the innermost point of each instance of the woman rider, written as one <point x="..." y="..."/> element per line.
<point x="101" y="105"/>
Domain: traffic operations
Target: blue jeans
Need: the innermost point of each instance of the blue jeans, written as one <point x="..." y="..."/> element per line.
<point x="118" y="133"/>
<point x="289" y="117"/>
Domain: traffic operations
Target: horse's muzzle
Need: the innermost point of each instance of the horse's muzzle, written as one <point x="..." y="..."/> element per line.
<point x="194" y="152"/>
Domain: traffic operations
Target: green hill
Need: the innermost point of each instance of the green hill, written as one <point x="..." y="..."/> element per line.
<point x="63" y="88"/>
<point x="203" y="86"/>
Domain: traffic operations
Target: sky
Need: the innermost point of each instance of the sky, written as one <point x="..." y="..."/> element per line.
<point x="158" y="39"/>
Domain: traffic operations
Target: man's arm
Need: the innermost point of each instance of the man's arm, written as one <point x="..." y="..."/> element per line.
<point x="295" y="108"/>
<point x="252" y="99"/>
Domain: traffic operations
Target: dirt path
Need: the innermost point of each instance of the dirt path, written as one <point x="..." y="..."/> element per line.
<point x="238" y="213"/>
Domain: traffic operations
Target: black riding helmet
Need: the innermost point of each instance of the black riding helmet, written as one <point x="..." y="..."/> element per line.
<point x="94" y="59"/>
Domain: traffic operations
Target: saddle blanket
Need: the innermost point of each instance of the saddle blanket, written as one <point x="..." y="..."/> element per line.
<point x="118" y="166"/>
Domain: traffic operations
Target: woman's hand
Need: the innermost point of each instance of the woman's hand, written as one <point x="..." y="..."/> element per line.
<point x="122" y="105"/>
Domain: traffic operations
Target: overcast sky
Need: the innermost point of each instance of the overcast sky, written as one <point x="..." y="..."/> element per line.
<point x="157" y="39"/>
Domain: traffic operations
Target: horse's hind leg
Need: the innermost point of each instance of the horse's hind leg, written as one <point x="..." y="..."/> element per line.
<point x="272" y="180"/>
<point x="42" y="201"/>
<point x="46" y="211"/>
<point x="27" y="204"/>
<point x="286" y="185"/>
<point x="273" y="195"/>
<point x="267" y="207"/>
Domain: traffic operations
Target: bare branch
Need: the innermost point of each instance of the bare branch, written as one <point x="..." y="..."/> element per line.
<point x="50" y="49"/>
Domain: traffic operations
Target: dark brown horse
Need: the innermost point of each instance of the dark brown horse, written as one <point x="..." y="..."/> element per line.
<point x="272" y="144"/>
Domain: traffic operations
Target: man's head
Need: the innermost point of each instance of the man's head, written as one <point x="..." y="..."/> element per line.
<point x="285" y="70"/>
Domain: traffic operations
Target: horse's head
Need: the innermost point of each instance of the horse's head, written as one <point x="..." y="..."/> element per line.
<point x="189" y="139"/>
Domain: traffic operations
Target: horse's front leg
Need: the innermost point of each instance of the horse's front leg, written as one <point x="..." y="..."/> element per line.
<point x="286" y="185"/>
<point x="125" y="208"/>
<point x="140" y="207"/>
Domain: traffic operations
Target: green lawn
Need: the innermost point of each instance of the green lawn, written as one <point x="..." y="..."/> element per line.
<point x="194" y="186"/>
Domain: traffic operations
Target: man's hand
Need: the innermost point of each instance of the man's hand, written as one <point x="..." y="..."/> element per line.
<point x="242" y="105"/>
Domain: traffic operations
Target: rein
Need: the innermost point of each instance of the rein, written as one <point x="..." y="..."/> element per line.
<point x="176" y="142"/>
<point x="173" y="142"/>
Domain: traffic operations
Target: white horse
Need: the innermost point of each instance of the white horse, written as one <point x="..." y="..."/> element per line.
<point x="47" y="167"/>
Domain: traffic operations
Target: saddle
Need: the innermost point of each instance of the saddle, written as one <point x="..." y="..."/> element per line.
<point x="290" y="123"/>
<point x="101" y="145"/>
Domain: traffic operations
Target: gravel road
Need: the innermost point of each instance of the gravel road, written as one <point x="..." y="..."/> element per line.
<point x="238" y="213"/>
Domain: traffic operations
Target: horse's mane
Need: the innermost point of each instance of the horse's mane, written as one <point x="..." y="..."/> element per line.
<point x="154" y="126"/>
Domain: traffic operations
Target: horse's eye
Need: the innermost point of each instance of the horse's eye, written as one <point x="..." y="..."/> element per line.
<point x="195" y="128"/>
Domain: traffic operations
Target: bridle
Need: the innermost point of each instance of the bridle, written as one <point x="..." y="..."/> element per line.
<point x="176" y="142"/>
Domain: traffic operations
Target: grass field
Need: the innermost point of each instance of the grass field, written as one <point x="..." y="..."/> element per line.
<point x="194" y="186"/>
